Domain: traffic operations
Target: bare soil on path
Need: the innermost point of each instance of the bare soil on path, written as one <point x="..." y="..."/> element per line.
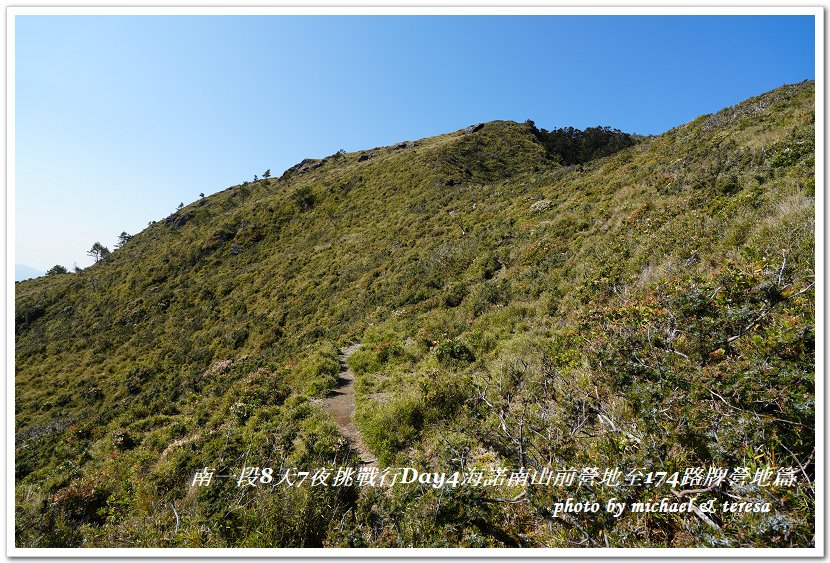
<point x="340" y="404"/>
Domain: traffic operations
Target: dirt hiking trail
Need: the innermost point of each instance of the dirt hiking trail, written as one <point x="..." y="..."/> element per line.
<point x="339" y="403"/>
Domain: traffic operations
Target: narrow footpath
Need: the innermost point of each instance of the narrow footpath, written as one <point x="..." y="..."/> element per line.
<point x="339" y="403"/>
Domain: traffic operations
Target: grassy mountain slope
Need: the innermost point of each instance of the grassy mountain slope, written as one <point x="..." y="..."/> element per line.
<point x="650" y="309"/>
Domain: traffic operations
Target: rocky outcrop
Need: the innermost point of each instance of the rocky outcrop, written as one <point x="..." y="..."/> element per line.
<point x="473" y="128"/>
<point x="542" y="205"/>
<point x="403" y="145"/>
<point x="306" y="165"/>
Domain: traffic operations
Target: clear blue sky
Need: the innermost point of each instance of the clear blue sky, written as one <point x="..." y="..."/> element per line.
<point x="118" y="119"/>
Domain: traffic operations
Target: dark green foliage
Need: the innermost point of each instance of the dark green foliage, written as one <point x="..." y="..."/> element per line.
<point x="56" y="269"/>
<point x="454" y="295"/>
<point x="453" y="352"/>
<point x="574" y="146"/>
<point x="98" y="252"/>
<point x="303" y="197"/>
<point x="491" y="266"/>
<point x="123" y="238"/>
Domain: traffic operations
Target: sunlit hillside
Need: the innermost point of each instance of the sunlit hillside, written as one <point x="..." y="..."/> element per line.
<point x="523" y="299"/>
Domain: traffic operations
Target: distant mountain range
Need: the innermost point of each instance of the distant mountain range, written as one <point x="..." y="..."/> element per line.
<point x="24" y="272"/>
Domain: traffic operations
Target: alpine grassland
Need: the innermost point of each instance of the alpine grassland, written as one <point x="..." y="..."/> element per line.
<point x="527" y="300"/>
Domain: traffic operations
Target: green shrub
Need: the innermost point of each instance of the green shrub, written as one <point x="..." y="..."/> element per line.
<point x="391" y="427"/>
<point x="317" y="372"/>
<point x="453" y="353"/>
<point x="304" y="198"/>
<point x="727" y="184"/>
<point x="454" y="294"/>
<point x="364" y="360"/>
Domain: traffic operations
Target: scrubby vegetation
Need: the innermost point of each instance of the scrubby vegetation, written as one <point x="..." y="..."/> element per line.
<point x="653" y="308"/>
<point x="569" y="145"/>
